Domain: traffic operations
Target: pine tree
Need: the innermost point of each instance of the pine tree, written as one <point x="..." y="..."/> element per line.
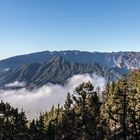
<point x="13" y="123"/>
<point x="87" y="109"/>
<point x="117" y="108"/>
<point x="41" y="128"/>
<point x="33" y="130"/>
<point x="68" y="120"/>
<point x="108" y="107"/>
<point x="134" y="104"/>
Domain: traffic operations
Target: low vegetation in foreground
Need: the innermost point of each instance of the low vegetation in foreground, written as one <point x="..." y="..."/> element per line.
<point x="86" y="115"/>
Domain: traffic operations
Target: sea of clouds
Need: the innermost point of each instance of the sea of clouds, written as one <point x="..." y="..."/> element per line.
<point x="33" y="102"/>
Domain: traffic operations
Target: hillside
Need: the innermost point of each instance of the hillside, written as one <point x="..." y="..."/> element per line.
<point x="121" y="62"/>
<point x="57" y="70"/>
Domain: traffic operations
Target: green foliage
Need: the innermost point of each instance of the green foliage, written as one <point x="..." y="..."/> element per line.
<point x="122" y="107"/>
<point x="84" y="115"/>
<point x="13" y="124"/>
<point x="81" y="115"/>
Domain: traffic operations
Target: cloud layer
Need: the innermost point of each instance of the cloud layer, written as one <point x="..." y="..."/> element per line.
<point x="42" y="99"/>
<point x="16" y="84"/>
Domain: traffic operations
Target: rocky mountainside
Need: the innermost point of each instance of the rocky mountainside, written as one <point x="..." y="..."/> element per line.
<point x="120" y="62"/>
<point x="37" y="69"/>
<point x="56" y="70"/>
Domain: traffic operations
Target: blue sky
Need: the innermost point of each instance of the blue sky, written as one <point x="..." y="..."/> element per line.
<point x="92" y="25"/>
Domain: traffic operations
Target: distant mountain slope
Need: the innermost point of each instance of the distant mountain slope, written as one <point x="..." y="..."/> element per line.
<point x="121" y="62"/>
<point x="57" y="70"/>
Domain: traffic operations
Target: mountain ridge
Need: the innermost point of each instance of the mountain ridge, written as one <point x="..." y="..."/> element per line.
<point x="58" y="66"/>
<point x="56" y="71"/>
<point x="118" y="61"/>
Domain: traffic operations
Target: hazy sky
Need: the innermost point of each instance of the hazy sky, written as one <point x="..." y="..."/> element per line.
<point x="92" y="25"/>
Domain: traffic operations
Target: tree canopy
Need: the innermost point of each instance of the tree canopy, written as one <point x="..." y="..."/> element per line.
<point x="84" y="115"/>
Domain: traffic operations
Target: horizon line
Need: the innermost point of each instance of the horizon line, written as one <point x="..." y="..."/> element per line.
<point x="51" y="51"/>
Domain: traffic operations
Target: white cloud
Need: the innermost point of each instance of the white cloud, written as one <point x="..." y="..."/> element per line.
<point x="42" y="99"/>
<point x="16" y="84"/>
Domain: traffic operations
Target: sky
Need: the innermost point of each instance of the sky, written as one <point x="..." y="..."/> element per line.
<point x="28" y="26"/>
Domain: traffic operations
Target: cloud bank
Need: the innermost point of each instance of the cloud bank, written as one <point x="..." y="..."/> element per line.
<point x="42" y="99"/>
<point x="16" y="84"/>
